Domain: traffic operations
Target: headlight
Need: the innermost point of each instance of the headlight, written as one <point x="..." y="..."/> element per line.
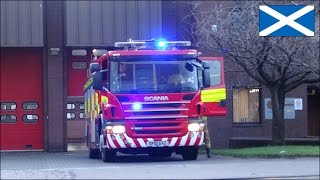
<point x="109" y="129"/>
<point x="193" y="127"/>
<point x="118" y="129"/>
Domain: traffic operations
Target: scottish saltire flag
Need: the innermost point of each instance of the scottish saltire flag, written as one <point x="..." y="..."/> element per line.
<point x="286" y="20"/>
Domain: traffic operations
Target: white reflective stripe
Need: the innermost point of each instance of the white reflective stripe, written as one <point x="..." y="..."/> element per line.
<point x="130" y="141"/>
<point x="141" y="142"/>
<point x="164" y="139"/>
<point x="110" y="141"/>
<point x="201" y="140"/>
<point x="93" y="132"/>
<point x="120" y="141"/>
<point x="184" y="139"/>
<point x="173" y="141"/>
<point x="194" y="138"/>
<point x="150" y="139"/>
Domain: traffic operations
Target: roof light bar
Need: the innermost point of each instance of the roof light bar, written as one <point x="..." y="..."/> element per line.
<point x="152" y="44"/>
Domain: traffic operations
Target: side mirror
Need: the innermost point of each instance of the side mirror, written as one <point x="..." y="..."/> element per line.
<point x="206" y="78"/>
<point x="189" y="67"/>
<point x="97" y="81"/>
<point x="94" y="67"/>
<point x="205" y="65"/>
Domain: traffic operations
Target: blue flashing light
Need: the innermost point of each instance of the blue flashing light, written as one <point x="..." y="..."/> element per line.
<point x="136" y="106"/>
<point x="162" y="44"/>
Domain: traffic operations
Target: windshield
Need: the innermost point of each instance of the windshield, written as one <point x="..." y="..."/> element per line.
<point x="152" y="76"/>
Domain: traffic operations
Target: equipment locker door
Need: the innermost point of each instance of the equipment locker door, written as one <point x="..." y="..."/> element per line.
<point x="21" y="99"/>
<point x="214" y="97"/>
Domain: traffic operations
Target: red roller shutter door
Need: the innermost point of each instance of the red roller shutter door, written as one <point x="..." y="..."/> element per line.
<point x="21" y="99"/>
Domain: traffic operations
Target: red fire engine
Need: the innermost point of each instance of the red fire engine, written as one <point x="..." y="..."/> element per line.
<point x="150" y="97"/>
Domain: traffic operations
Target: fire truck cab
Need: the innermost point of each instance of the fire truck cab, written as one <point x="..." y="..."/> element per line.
<point x="151" y="97"/>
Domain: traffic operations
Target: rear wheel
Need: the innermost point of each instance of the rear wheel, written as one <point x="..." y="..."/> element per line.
<point x="108" y="155"/>
<point x="190" y="153"/>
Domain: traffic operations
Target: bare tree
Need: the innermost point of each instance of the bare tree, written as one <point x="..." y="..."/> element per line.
<point x="278" y="63"/>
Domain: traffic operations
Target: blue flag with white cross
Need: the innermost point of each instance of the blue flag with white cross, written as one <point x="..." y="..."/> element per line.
<point x="286" y="20"/>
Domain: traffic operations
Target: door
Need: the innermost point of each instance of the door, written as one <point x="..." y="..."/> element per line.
<point x="214" y="97"/>
<point x="313" y="111"/>
<point x="21" y="99"/>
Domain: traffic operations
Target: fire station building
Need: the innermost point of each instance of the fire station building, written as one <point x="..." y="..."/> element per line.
<point x="42" y="77"/>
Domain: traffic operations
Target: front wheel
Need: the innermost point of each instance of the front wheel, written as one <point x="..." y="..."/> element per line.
<point x="190" y="153"/>
<point x="108" y="155"/>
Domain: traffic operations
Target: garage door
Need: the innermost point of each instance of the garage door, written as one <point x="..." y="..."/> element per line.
<point x="21" y="99"/>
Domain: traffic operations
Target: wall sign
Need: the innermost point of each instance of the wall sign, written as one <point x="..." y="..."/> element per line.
<point x="289" y="108"/>
<point x="298" y="104"/>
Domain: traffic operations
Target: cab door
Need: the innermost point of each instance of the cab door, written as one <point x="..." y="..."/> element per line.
<point x="214" y="97"/>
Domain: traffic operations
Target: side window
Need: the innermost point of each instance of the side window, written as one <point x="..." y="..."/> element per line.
<point x="215" y="72"/>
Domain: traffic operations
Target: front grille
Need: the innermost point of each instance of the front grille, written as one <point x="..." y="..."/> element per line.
<point x="161" y="105"/>
<point x="156" y="118"/>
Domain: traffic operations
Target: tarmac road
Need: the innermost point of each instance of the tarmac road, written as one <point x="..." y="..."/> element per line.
<point x="76" y="165"/>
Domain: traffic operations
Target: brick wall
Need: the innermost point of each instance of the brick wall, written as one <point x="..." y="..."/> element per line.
<point x="56" y="127"/>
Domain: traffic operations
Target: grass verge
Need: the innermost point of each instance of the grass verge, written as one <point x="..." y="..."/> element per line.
<point x="269" y="151"/>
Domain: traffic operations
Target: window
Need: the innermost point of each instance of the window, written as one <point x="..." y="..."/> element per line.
<point x="246" y="105"/>
<point x="215" y="72"/>
<point x="71" y="115"/>
<point x="79" y="65"/>
<point x="8" y="106"/>
<point x="71" y="106"/>
<point x="8" y="118"/>
<point x="81" y="106"/>
<point x="30" y="105"/>
<point x="81" y="115"/>
<point x="30" y="118"/>
<point x="152" y="77"/>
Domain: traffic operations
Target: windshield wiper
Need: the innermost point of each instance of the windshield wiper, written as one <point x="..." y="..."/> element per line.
<point x="146" y="90"/>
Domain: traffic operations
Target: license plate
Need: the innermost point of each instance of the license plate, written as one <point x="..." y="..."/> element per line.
<point x="157" y="143"/>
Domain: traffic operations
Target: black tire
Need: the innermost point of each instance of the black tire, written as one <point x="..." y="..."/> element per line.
<point x="190" y="153"/>
<point x="108" y="155"/>
<point x="93" y="153"/>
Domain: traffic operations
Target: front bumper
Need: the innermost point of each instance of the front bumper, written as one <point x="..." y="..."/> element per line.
<point x="118" y="141"/>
